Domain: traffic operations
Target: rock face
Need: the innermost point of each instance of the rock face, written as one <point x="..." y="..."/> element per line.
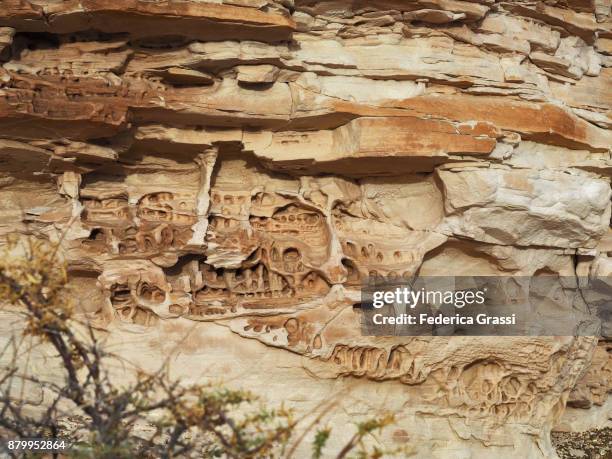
<point x="222" y="176"/>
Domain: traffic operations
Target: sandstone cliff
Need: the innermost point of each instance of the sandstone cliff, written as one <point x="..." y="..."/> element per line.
<point x="222" y="175"/>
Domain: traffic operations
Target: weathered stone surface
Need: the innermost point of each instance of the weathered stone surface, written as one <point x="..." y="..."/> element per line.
<point x="594" y="386"/>
<point x="525" y="207"/>
<point x="193" y="19"/>
<point x="6" y="38"/>
<point x="222" y="176"/>
<point x="546" y="123"/>
<point x="371" y="146"/>
<point x="256" y="73"/>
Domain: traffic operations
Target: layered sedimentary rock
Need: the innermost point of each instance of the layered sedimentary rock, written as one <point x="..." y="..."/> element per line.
<point x="222" y="176"/>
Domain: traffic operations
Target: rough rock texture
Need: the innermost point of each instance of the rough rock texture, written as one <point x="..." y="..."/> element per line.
<point x="595" y="444"/>
<point x="225" y="174"/>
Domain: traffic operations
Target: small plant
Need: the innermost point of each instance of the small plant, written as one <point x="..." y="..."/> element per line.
<point x="152" y="416"/>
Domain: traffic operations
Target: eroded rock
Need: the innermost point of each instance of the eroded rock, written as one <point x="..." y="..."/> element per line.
<point x="232" y="171"/>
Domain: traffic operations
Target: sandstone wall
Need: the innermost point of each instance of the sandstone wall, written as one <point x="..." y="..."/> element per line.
<point x="223" y="174"/>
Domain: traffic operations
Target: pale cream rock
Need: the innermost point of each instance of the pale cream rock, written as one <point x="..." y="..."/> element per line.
<point x="178" y="75"/>
<point x="572" y="59"/>
<point x="589" y="93"/>
<point x="514" y="72"/>
<point x="358" y="89"/>
<point x="224" y="175"/>
<point x="512" y="207"/>
<point x="76" y="58"/>
<point x="256" y="73"/>
<point x="6" y="38"/>
<point x="69" y="184"/>
<point x="411" y="202"/>
<point x="537" y="35"/>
